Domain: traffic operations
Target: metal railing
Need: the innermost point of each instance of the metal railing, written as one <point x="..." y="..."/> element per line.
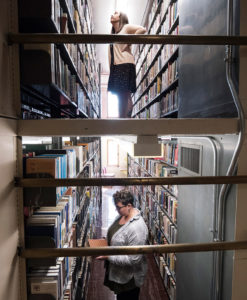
<point x="71" y="38"/>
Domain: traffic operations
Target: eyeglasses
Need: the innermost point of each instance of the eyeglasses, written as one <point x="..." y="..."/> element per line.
<point x="119" y="207"/>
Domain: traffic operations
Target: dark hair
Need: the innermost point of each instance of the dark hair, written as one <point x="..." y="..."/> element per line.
<point x="123" y="196"/>
<point x="123" y="19"/>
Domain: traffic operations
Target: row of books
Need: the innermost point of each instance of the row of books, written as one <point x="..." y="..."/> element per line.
<point x="170" y="18"/>
<point x="77" y="11"/>
<point x="63" y="27"/>
<point x="137" y="171"/>
<point x="88" y="52"/>
<point x="59" y="73"/>
<point x="144" y="167"/>
<point x="154" y="111"/>
<point x="168" y="279"/>
<point x="88" y="77"/>
<point x="163" y="222"/>
<point x="56" y="13"/>
<point x="74" y="271"/>
<point x="77" y="278"/>
<point x="63" y="163"/>
<point x="166" y="262"/>
<point x="166" y="18"/>
<point x="170" y="260"/>
<point x="159" y="10"/>
<point x="163" y="81"/>
<point x="75" y="156"/>
<point x="167" y="202"/>
<point x="47" y="166"/>
<point x="67" y="68"/>
<point x="28" y="112"/>
<point x="170" y="74"/>
<point x="164" y="21"/>
<point x="169" y="102"/>
<point x="64" y="78"/>
<point x="87" y="71"/>
<point x="55" y="222"/>
<point x="164" y="265"/>
<point x="156" y="166"/>
<point x="169" y="229"/>
<point x="48" y="280"/>
<point x="157" y="211"/>
<point x="85" y="24"/>
<point x="160" y="85"/>
<point x="143" y="64"/>
<point x="170" y="153"/>
<point x="144" y="114"/>
<point x="157" y="109"/>
<point x="94" y="167"/>
<point x="166" y="52"/>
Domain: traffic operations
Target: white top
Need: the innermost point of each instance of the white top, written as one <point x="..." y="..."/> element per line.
<point x="122" y="52"/>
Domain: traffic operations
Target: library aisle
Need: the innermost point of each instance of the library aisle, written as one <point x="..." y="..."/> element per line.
<point x="153" y="287"/>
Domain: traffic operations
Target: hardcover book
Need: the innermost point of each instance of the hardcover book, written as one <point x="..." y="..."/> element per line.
<point x="97" y="243"/>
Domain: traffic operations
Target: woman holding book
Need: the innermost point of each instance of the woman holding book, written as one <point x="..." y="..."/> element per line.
<point x="125" y="273"/>
<point x="122" y="79"/>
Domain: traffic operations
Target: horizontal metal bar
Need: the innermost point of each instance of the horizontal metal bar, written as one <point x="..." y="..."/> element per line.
<point x="50" y="182"/>
<point x="100" y="127"/>
<point x="172" y="248"/>
<point x="48" y="38"/>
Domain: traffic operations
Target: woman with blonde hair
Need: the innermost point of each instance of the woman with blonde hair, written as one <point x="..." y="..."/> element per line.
<point x="122" y="79"/>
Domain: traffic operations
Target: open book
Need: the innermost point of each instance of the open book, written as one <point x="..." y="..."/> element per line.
<point x="97" y="242"/>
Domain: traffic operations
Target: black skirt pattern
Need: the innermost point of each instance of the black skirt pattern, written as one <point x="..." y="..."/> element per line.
<point x="122" y="78"/>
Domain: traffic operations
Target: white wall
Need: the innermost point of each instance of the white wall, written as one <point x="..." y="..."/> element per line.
<point x="120" y="170"/>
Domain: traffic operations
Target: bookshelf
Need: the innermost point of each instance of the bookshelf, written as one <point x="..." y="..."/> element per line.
<point x="157" y="66"/>
<point x="61" y="217"/>
<point x="158" y="205"/>
<point x="58" y="81"/>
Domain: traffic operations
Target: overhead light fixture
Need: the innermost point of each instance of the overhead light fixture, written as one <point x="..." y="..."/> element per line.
<point x="147" y="146"/>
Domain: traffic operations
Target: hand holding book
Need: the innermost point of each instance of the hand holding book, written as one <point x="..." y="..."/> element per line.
<point x="98" y="243"/>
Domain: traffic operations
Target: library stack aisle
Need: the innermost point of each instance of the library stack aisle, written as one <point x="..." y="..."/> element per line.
<point x="11" y="214"/>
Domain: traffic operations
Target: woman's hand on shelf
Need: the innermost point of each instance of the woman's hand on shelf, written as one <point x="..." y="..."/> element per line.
<point x="101" y="257"/>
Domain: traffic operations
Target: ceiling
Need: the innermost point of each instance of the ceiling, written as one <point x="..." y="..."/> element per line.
<point x="102" y="10"/>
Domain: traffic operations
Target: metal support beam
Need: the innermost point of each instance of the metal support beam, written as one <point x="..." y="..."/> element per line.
<point x="172" y="248"/>
<point x="101" y="127"/>
<point x="49" y="182"/>
<point x="48" y="38"/>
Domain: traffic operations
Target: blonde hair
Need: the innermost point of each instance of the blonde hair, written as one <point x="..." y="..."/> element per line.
<point x="123" y="20"/>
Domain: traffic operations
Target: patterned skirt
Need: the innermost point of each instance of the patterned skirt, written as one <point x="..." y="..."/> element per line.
<point x="122" y="78"/>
